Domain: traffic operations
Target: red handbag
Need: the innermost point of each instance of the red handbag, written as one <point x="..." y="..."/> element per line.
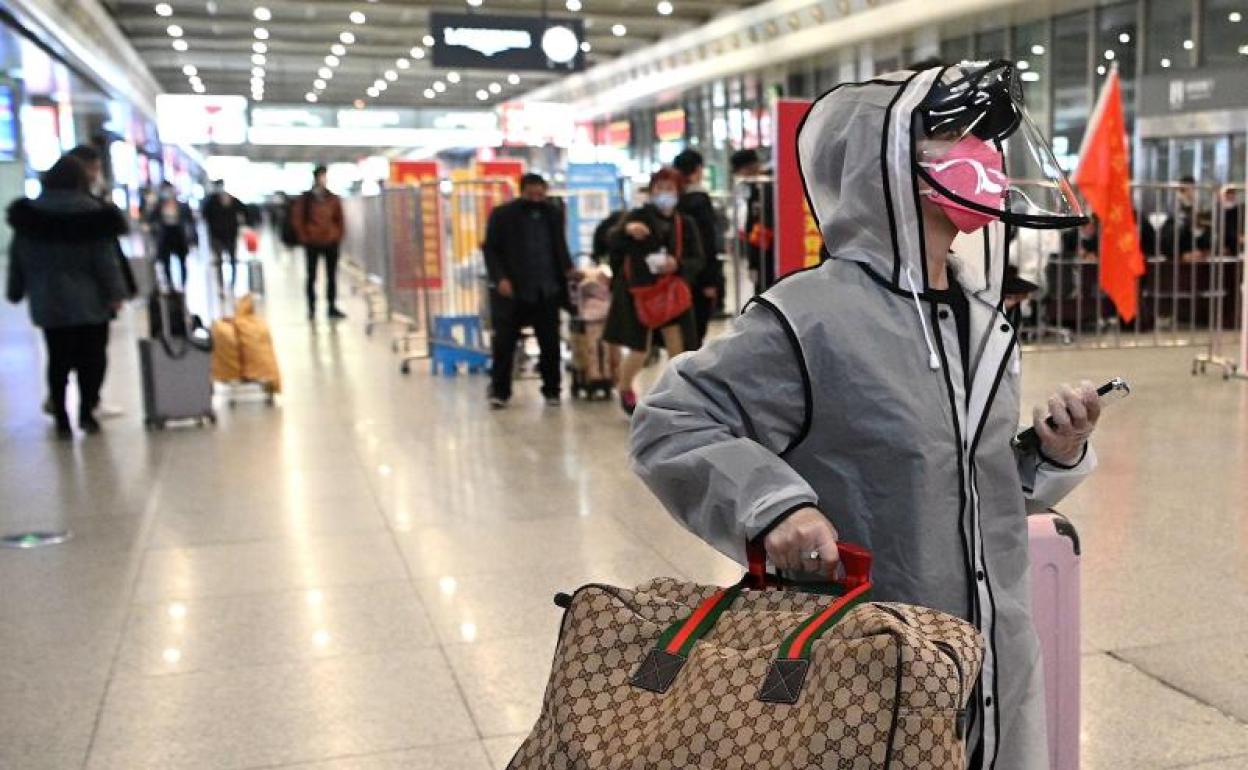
<point x="668" y="298"/>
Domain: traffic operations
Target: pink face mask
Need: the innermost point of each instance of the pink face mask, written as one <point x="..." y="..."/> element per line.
<point x="973" y="170"/>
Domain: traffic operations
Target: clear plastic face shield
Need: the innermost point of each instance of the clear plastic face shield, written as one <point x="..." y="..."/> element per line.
<point x="980" y="157"/>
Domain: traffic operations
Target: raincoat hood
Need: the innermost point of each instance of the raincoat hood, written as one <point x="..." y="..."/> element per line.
<point x="857" y="157"/>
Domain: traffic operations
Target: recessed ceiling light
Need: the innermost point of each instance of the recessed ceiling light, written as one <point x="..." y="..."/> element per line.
<point x="257" y="97"/>
<point x="310" y="96"/>
<point x="258" y="58"/>
<point x="402" y="63"/>
<point x="1188" y="45"/>
<point x="1165" y="63"/>
<point x="1037" y="50"/>
<point x="664" y="8"/>
<point x="347" y="37"/>
<point x="164" y="9"/>
<point x="586" y="47"/>
<point x="259" y="47"/>
<point x="373" y="92"/>
<point x="318" y="84"/>
<point x="189" y="69"/>
<point x="452" y="77"/>
<point x="428" y="40"/>
<point x="357" y="17"/>
<point x="193" y="79"/>
<point x="483" y="94"/>
<point x="573" y="5"/>
<point x="198" y="88"/>
<point x="1124" y="38"/>
<point x="257" y="72"/>
<point x="1109" y="55"/>
<point x="475" y="3"/>
<point x="514" y="79"/>
<point x="174" y="30"/>
<point x="381" y="85"/>
<point x="417" y="52"/>
<point x="430" y="93"/>
<point x="391" y="75"/>
<point x="439" y="86"/>
<point x="1100" y="69"/>
<point x="1233" y="17"/>
<point x="332" y="60"/>
<point x="325" y="72"/>
<point x="1243" y="50"/>
<point x="1030" y="77"/>
<point x="619" y="30"/>
<point x="262" y="13"/>
<point x="338" y="49"/>
<point x="495" y="88"/>
<point x="261" y="33"/>
<point x="180" y="45"/>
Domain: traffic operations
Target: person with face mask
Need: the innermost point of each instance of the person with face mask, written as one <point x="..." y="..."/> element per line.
<point x="527" y="258"/>
<point x="695" y="202"/>
<point x="873" y="398"/>
<point x="651" y="242"/>
<point x="173" y="230"/>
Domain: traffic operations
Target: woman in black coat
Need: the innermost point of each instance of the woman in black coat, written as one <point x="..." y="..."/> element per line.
<point x="651" y="229"/>
<point x="63" y="260"/>
<point x="173" y="230"/>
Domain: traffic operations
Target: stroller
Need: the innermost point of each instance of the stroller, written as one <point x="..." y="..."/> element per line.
<point x="594" y="363"/>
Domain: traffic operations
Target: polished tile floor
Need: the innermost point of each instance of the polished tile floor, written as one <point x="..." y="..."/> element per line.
<point x="360" y="578"/>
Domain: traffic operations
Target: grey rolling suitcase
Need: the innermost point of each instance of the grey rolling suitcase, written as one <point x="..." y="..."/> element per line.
<point x="255" y="276"/>
<point x="177" y="374"/>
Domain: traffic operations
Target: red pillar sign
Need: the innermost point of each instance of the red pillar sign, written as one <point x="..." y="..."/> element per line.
<point x="797" y="238"/>
<point x="426" y="270"/>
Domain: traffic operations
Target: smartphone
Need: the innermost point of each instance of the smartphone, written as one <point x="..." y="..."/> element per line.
<point x="1114" y="390"/>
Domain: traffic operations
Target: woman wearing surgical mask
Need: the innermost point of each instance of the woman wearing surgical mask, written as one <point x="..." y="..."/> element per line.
<point x="650" y="242"/>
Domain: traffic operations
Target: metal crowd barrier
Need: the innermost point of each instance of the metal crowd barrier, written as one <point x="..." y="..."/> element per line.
<point x="1188" y="295"/>
<point x="420" y="248"/>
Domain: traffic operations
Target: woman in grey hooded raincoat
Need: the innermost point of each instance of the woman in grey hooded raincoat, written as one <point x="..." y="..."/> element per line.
<point x="847" y="389"/>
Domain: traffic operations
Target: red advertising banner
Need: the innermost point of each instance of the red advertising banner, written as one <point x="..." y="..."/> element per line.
<point x="500" y="169"/>
<point x="618" y="134"/>
<point x="797" y="238"/>
<point x="669" y="125"/>
<point x="416" y="268"/>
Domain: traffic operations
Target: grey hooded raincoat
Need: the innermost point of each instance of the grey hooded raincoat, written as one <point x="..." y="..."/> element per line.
<point x="844" y="387"/>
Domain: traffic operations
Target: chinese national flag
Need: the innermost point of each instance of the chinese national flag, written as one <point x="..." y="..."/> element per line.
<point x="1104" y="178"/>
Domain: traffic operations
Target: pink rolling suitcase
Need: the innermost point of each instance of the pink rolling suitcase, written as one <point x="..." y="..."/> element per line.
<point x="1054" y="546"/>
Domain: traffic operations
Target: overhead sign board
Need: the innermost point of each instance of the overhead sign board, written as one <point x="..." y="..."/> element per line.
<point x="194" y="119"/>
<point x="316" y="116"/>
<point x="507" y="42"/>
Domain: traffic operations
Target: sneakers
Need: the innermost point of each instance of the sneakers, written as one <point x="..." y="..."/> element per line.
<point x="628" y="402"/>
<point x="497" y="403"/>
<point x="336" y="315"/>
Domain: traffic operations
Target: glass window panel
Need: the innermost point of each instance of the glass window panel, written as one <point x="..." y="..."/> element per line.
<point x="1224" y="29"/>
<point x="1170" y="45"/>
<point x="1072" y="100"/>
<point x="990" y="45"/>
<point x="1116" y="43"/>
<point x="1032" y="57"/>
<point x="955" y="49"/>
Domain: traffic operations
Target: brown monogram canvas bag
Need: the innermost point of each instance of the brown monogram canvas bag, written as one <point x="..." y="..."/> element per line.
<point x="677" y="675"/>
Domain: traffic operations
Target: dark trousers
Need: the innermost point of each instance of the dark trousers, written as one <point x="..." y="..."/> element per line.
<point x="312" y="255"/>
<point x="81" y="349"/>
<point x="703" y="309"/>
<point x="224" y="246"/>
<point x="509" y="316"/>
<point x="164" y="258"/>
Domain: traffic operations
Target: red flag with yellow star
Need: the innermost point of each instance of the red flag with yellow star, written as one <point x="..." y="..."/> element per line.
<point x="1104" y="178"/>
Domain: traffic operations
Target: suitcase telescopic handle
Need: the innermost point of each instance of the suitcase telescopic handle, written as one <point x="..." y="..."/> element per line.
<point x="855" y="561"/>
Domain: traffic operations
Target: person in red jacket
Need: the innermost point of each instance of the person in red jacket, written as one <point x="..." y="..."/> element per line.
<point x="317" y="219"/>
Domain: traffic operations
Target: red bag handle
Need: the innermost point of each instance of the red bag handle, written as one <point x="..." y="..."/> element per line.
<point x="854" y="559"/>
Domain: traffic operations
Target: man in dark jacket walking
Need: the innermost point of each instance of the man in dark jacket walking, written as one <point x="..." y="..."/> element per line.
<point x="526" y="254"/>
<point x="223" y="215"/>
<point x="696" y="204"/>
<point x="316" y="217"/>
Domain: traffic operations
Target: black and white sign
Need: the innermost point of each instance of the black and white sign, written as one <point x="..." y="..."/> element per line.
<point x="507" y="42"/>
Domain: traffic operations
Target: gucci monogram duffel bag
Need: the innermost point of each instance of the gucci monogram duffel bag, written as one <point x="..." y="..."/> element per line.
<point x="766" y="674"/>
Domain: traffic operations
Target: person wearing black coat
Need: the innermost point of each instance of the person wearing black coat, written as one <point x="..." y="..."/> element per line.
<point x="62" y="260"/>
<point x="173" y="230"/>
<point x="527" y="258"/>
<point x="223" y="217"/>
<point x="695" y="203"/>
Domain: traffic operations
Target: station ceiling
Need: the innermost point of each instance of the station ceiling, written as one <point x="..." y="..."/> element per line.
<point x="230" y="45"/>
